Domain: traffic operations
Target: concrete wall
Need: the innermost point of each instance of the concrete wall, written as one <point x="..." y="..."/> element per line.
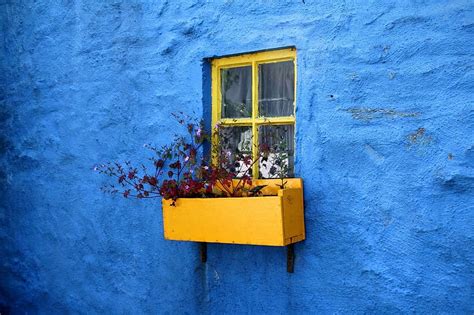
<point x="384" y="142"/>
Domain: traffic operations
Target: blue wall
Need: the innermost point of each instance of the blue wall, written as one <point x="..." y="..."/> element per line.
<point x="384" y="143"/>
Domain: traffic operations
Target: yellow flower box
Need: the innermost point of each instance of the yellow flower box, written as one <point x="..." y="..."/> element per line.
<point x="276" y="218"/>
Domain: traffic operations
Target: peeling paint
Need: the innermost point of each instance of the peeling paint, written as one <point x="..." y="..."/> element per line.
<point x="376" y="156"/>
<point x="419" y="138"/>
<point x="365" y="113"/>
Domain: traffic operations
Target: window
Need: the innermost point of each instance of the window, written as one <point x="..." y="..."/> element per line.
<point x="253" y="100"/>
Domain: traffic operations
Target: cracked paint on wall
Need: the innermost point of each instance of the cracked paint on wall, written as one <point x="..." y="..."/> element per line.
<point x="389" y="215"/>
<point x="376" y="113"/>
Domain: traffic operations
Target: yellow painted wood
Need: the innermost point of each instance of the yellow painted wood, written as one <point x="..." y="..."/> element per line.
<point x="268" y="220"/>
<point x="272" y="187"/>
<point x="258" y="121"/>
<point x="293" y="215"/>
<point x="254" y="116"/>
<point x="276" y="55"/>
<point x="216" y="109"/>
<point x="250" y="59"/>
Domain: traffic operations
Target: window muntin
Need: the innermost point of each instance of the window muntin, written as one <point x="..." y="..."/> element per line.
<point x="267" y="108"/>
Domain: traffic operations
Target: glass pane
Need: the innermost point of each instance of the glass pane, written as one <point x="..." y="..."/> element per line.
<point x="276" y="89"/>
<point x="280" y="142"/>
<point x="235" y="143"/>
<point x="236" y="89"/>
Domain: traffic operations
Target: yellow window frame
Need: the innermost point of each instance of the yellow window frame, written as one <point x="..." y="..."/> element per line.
<point x="249" y="59"/>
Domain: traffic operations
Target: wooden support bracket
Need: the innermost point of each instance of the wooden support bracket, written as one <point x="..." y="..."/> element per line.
<point x="290" y="258"/>
<point x="203" y="251"/>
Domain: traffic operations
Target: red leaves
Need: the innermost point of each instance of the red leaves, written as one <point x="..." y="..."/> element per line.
<point x="152" y="181"/>
<point x="265" y="150"/>
<point x="247" y="160"/>
<point x="180" y="169"/>
<point x="159" y="163"/>
<point x="121" y="179"/>
<point x="192" y="154"/>
<point x="171" y="189"/>
<point x="176" y="165"/>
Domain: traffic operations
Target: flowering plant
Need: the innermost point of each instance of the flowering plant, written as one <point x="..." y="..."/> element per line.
<point x="182" y="169"/>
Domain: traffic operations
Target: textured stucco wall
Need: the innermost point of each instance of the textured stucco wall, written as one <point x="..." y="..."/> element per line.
<point x="384" y="143"/>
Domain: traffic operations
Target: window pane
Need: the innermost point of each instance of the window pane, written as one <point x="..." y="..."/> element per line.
<point x="236" y="89"/>
<point x="276" y="89"/>
<point x="236" y="143"/>
<point x="280" y="141"/>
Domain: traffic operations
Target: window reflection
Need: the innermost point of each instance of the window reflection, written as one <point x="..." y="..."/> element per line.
<point x="236" y="142"/>
<point x="236" y="89"/>
<point x="279" y="139"/>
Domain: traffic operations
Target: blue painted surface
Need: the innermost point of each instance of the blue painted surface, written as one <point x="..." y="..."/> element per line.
<point x="384" y="143"/>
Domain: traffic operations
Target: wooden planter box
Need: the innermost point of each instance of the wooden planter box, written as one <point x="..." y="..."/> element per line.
<point x="275" y="219"/>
